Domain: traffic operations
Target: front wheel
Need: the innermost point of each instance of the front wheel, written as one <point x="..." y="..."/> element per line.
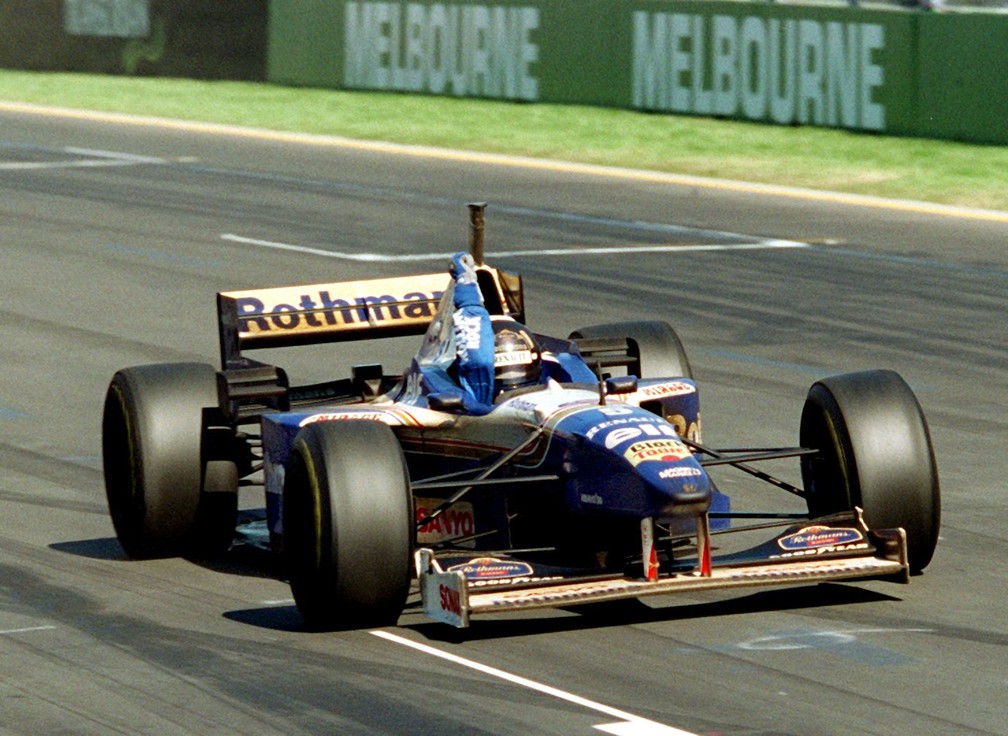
<point x="875" y="452"/>
<point x="348" y="525"/>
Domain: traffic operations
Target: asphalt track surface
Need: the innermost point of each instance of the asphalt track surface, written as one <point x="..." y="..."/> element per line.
<point x="114" y="239"/>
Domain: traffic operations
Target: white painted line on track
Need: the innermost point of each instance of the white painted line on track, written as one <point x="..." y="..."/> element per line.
<point x="522" y="162"/>
<point x="115" y="155"/>
<point x="76" y="164"/>
<point x="572" y="251"/>
<point x="7" y="632"/>
<point x="628" y="724"/>
<point x="90" y="159"/>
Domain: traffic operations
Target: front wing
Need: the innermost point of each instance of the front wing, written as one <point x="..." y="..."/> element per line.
<point x="452" y="597"/>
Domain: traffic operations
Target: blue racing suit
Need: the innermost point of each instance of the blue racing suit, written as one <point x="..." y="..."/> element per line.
<point x="474" y="338"/>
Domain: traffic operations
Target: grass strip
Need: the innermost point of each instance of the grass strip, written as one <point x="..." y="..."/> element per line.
<point x="905" y="168"/>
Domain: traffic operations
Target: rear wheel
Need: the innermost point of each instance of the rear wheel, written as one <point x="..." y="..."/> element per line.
<point x="348" y="525"/>
<point x="155" y="462"/>
<point x="875" y="452"/>
<point x="652" y="345"/>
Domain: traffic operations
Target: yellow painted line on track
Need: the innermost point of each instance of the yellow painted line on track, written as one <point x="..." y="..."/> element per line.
<point x="519" y="162"/>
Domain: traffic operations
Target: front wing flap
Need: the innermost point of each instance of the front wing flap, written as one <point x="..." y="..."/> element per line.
<point x="450" y="596"/>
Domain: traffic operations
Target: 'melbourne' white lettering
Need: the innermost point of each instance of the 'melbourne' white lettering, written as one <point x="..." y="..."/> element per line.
<point x="787" y="71"/>
<point x="475" y="50"/>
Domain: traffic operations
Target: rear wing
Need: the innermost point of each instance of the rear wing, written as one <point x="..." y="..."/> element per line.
<point x="330" y="312"/>
<point x="335" y="312"/>
<point x="348" y="310"/>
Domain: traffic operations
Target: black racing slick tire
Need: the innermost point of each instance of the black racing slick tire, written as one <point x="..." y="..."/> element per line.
<point x="348" y="525"/>
<point x="156" y="463"/>
<point x="658" y="351"/>
<point x="875" y="452"/>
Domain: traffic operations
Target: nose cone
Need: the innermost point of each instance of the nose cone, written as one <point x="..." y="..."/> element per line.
<point x="677" y="487"/>
<point x="656" y="466"/>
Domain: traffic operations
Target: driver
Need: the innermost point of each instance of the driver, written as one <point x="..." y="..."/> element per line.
<point x="495" y="354"/>
<point x="517" y="355"/>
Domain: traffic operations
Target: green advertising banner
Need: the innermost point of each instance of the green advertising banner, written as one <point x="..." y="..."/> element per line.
<point x="202" y="39"/>
<point x="893" y="71"/>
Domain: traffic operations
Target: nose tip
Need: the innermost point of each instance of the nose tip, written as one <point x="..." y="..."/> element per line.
<point x="687" y="502"/>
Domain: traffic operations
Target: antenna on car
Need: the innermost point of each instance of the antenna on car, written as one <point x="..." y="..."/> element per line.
<point x="601" y="384"/>
<point x="476" y="227"/>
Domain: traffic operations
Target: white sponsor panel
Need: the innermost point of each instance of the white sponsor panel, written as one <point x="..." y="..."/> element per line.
<point x="112" y="18"/>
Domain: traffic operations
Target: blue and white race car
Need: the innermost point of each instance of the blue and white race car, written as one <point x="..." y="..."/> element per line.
<point x="502" y="469"/>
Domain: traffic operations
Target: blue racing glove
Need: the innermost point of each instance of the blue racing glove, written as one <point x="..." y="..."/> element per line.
<point x="474" y="339"/>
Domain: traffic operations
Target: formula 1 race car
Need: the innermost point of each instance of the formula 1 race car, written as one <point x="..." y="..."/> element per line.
<point x="590" y="483"/>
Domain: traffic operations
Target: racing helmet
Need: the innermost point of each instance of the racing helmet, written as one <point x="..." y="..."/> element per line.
<point x="517" y="355"/>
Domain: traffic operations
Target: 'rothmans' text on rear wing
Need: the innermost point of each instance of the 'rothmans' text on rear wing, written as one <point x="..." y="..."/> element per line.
<point x="348" y="310"/>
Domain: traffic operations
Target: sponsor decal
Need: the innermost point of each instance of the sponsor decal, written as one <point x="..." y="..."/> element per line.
<point x="514" y="357"/>
<point x="684" y="428"/>
<point x="676" y="388"/>
<point x="663" y="450"/>
<point x="453" y="523"/>
<point x="492" y="568"/>
<point x="616" y="432"/>
<point x="620" y="422"/>
<point x="451" y="600"/>
<point x="521" y="580"/>
<point x="681" y="471"/>
<point x="617" y="437"/>
<point x="321" y="310"/>
<point x="594" y="499"/>
<point x="336" y="306"/>
<point x="523" y="405"/>
<point x="338" y="416"/>
<point x="467" y="333"/>
<point x="816" y="537"/>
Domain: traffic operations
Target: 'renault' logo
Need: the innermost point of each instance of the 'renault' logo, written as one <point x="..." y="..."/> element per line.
<point x="491" y="568"/>
<point x="814" y="537"/>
